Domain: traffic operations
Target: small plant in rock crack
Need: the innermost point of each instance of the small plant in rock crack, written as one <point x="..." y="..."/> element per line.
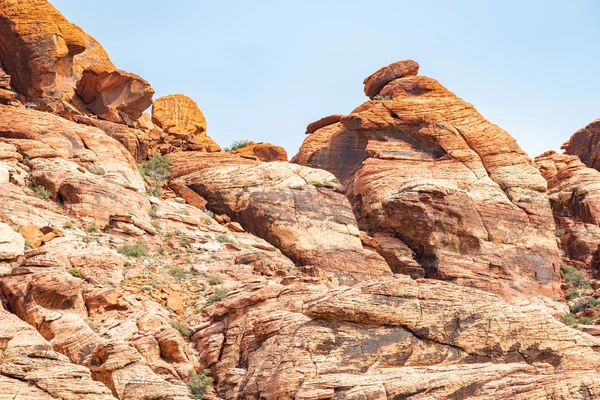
<point x="132" y="250"/>
<point x="41" y="192"/>
<point x="182" y="328"/>
<point x="214" y="280"/>
<point x="216" y="297"/>
<point x="177" y="273"/>
<point x="199" y="384"/>
<point x="97" y="170"/>
<point x="77" y="273"/>
<point x="93" y="227"/>
<point x="157" y="169"/>
<point x="573" y="276"/>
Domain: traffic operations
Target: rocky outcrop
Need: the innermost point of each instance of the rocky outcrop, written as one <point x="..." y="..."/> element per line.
<point x="574" y="192"/>
<point x="424" y="167"/>
<point x="114" y="95"/>
<point x="391" y="338"/>
<point x="12" y="243"/>
<point x="37" y="46"/>
<point x="297" y="209"/>
<point x="263" y="152"/>
<point x="31" y="369"/>
<point x="585" y="144"/>
<point x="179" y="117"/>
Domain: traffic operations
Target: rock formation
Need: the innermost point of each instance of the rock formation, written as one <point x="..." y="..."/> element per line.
<point x="181" y="119"/>
<point x="263" y="152"/>
<point x="585" y="144"/>
<point x="140" y="262"/>
<point x="297" y="209"/>
<point x="423" y="168"/>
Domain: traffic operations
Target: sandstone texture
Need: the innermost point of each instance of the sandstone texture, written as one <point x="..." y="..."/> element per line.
<point x="411" y="250"/>
<point x="180" y="117"/>
<point x="391" y="338"/>
<point x="114" y="95"/>
<point x="299" y="210"/>
<point x="424" y="167"/>
<point x="263" y="152"/>
<point x="585" y="144"/>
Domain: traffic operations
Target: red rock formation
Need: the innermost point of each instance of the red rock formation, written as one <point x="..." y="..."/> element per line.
<point x="114" y="95"/>
<point x="263" y="152"/>
<point x="37" y="46"/>
<point x="574" y="192"/>
<point x="297" y="209"/>
<point x="391" y="338"/>
<point x="181" y="119"/>
<point x="423" y="166"/>
<point x="585" y="144"/>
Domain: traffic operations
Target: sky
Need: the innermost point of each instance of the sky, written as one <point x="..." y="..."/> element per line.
<point x="264" y="69"/>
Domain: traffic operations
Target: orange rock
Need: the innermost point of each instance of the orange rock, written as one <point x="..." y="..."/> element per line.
<point x="584" y="144"/>
<point x="376" y="81"/>
<point x="424" y="167"/>
<point x="32" y="235"/>
<point x="180" y="117"/>
<point x="114" y="95"/>
<point x="263" y="151"/>
<point x="37" y="46"/>
<point x="323" y="122"/>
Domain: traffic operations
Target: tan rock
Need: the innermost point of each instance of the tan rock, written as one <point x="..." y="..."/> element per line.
<point x="297" y="209"/>
<point x="12" y="243"/>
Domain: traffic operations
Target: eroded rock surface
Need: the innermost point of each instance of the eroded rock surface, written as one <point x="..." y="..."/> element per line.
<point x="391" y="338"/>
<point x="297" y="209"/>
<point x="585" y="144"/>
<point x="423" y="166"/>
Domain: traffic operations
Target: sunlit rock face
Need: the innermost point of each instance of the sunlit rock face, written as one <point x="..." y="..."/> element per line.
<point x="422" y="166"/>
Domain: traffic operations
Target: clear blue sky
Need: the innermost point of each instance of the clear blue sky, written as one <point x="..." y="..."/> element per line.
<point x="264" y="69"/>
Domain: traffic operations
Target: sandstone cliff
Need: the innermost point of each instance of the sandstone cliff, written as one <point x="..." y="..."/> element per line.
<point x="411" y="250"/>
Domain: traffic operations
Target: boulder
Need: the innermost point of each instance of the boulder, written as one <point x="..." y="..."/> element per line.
<point x="37" y="46"/>
<point x="179" y="116"/>
<point x="263" y="152"/>
<point x="423" y="166"/>
<point x="377" y="80"/>
<point x="114" y="95"/>
<point x="12" y="244"/>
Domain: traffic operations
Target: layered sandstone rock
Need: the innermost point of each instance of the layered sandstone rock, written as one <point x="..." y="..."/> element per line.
<point x="424" y="167"/>
<point x="585" y="144"/>
<point x="180" y="117"/>
<point x="297" y="209"/>
<point x="30" y="369"/>
<point x="391" y="338"/>
<point x="574" y="191"/>
<point x="114" y="95"/>
<point x="263" y="152"/>
<point x="12" y="243"/>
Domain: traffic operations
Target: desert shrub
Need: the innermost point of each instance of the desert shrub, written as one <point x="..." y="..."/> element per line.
<point x="157" y="169"/>
<point x="237" y="144"/>
<point x="210" y="213"/>
<point x="382" y="98"/>
<point x="200" y="383"/>
<point x="574" y="277"/>
<point x="97" y="170"/>
<point x="585" y="321"/>
<point x="41" y="192"/>
<point x="153" y="212"/>
<point x="568" y="319"/>
<point x="224" y="239"/>
<point x="216" y="297"/>
<point x="67" y="225"/>
<point x="177" y="273"/>
<point x="214" y="280"/>
<point x="132" y="250"/>
<point x="182" y="328"/>
<point x="77" y="273"/>
<point x="572" y="293"/>
<point x="93" y="228"/>
<point x="581" y="305"/>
